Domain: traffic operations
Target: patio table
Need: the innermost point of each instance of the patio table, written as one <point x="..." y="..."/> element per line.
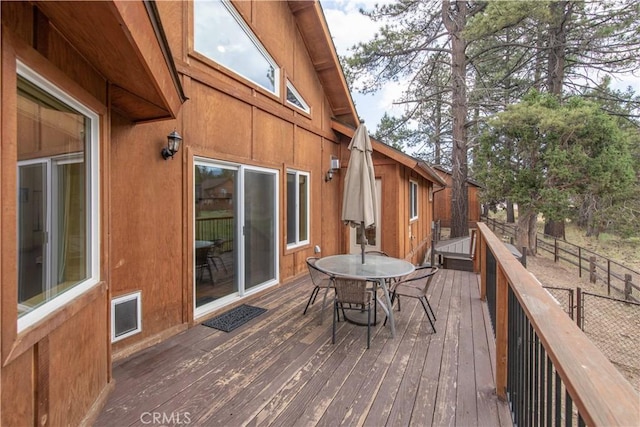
<point x="376" y="268"/>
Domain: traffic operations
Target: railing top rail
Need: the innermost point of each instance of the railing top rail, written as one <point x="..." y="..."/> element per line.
<point x="600" y="392"/>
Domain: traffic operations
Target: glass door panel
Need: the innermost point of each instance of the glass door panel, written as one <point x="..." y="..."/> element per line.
<point x="260" y="228"/>
<point x="215" y="253"/>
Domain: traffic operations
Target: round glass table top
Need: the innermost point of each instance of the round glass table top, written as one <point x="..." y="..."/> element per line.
<point x="374" y="267"/>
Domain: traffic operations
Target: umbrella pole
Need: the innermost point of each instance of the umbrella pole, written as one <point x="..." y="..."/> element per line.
<point x="363" y="241"/>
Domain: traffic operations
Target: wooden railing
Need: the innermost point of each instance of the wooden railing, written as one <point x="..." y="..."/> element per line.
<point x="216" y="228"/>
<point x="546" y="367"/>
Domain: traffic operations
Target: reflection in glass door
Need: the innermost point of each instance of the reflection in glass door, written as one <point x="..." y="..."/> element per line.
<point x="215" y="232"/>
<point x="236" y="233"/>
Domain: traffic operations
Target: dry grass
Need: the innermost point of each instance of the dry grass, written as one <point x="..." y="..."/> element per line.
<point x="623" y="250"/>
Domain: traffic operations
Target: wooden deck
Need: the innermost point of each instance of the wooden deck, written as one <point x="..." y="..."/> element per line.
<point x="282" y="369"/>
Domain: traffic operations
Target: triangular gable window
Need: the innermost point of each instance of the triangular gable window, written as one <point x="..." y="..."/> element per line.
<point x="294" y="98"/>
<point x="221" y="34"/>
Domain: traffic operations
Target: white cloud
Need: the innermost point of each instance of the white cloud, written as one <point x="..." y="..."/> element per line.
<point x="348" y="27"/>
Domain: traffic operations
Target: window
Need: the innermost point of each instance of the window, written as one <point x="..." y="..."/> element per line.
<point x="221" y="34"/>
<point x="57" y="197"/>
<point x="297" y="208"/>
<point x="413" y="200"/>
<point x="294" y="98"/>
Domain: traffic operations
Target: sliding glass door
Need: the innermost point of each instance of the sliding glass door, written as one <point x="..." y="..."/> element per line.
<point x="235" y="233"/>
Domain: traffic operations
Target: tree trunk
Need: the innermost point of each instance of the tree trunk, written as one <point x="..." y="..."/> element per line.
<point x="511" y="216"/>
<point x="438" y="131"/>
<point x="454" y="16"/>
<point x="560" y="15"/>
<point x="525" y="238"/>
<point x="554" y="229"/>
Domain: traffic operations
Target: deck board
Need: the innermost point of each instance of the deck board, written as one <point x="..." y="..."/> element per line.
<point x="281" y="368"/>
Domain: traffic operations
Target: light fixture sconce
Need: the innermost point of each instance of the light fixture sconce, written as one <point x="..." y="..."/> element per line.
<point x="334" y="167"/>
<point x="173" y="144"/>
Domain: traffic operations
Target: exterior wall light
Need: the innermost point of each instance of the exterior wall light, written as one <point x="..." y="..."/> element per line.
<point x="334" y="167"/>
<point x="173" y="144"/>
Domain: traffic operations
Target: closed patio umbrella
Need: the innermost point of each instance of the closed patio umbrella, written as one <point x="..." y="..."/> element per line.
<point x="359" y="197"/>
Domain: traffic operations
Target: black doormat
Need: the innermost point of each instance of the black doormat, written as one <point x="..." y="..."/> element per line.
<point x="234" y="318"/>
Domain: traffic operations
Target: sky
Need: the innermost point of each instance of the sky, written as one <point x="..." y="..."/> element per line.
<point x="348" y="27"/>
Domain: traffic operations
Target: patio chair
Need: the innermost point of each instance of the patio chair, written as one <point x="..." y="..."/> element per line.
<point x="320" y="280"/>
<point x="215" y="253"/>
<point x="202" y="262"/>
<point x="416" y="286"/>
<point x="351" y="294"/>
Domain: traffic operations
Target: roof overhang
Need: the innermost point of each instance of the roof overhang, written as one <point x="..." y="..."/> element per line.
<point x="125" y="43"/>
<point x="315" y="33"/>
<point x="419" y="166"/>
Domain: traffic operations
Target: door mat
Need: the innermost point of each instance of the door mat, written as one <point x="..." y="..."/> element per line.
<point x="234" y="318"/>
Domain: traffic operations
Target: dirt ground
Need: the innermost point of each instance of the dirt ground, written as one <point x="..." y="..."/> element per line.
<point x="613" y="326"/>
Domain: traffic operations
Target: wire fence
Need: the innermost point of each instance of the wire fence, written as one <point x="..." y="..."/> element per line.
<point x="612" y="324"/>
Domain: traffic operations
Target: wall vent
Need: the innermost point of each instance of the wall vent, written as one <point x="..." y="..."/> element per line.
<point x="126" y="316"/>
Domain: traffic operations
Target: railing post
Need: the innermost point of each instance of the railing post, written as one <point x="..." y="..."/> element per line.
<point x="555" y="250"/>
<point x="627" y="286"/>
<point x="502" y="337"/>
<point x="482" y="265"/>
<point x="523" y="259"/>
<point x="592" y="270"/>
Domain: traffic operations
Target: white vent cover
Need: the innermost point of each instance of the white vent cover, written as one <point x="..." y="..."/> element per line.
<point x="126" y="316"/>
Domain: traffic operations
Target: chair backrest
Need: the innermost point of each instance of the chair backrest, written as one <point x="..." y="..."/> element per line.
<point x="318" y="277"/>
<point x="351" y="290"/>
<point x="421" y="278"/>
<point x="381" y="253"/>
<point x="201" y="255"/>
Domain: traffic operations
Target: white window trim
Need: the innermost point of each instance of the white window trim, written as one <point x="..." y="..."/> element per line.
<point x="306" y="109"/>
<point x="93" y="212"/>
<point x="115" y="301"/>
<point x="413" y="200"/>
<point x="299" y="242"/>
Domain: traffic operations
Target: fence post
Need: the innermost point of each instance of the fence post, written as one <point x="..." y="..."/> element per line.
<point x="555" y="250"/>
<point x="579" y="261"/>
<point x="627" y="286"/>
<point x="592" y="269"/>
<point x="579" y="308"/>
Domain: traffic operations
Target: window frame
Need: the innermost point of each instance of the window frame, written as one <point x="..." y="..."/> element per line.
<point x="289" y="87"/>
<point x="92" y="187"/>
<point x="413" y="200"/>
<point x="297" y="242"/>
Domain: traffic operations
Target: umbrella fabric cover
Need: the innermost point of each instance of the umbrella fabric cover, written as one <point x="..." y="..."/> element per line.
<point x="359" y="197"/>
